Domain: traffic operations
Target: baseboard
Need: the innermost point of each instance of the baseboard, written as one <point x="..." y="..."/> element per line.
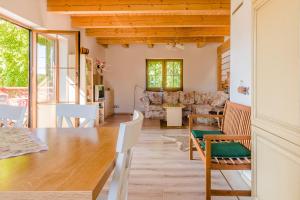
<point x="122" y="113"/>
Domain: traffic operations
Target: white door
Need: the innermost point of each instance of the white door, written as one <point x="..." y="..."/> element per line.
<point x="276" y="100"/>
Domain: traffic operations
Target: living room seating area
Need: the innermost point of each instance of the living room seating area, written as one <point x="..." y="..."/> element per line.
<point x="195" y="102"/>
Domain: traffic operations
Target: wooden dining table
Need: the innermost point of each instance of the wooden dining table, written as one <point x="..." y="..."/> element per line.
<point x="76" y="166"/>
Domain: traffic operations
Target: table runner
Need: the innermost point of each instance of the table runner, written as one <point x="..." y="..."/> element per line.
<point x="16" y="142"/>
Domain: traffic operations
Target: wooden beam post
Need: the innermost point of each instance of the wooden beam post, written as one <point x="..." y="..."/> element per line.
<point x="125" y="45"/>
<point x="201" y="44"/>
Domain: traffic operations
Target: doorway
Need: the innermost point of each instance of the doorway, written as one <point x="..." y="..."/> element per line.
<point x="14" y="65"/>
<point x="55" y="74"/>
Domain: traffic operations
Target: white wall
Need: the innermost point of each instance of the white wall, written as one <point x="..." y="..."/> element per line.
<point x="241" y="23"/>
<point x="241" y="52"/>
<point x="34" y="14"/>
<point x="28" y="9"/>
<point x="127" y="68"/>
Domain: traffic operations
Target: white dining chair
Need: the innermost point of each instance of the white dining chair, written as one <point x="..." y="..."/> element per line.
<point x="12" y="116"/>
<point x="129" y="133"/>
<point x="87" y="114"/>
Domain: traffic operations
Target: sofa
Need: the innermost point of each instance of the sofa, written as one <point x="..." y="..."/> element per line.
<point x="195" y="102"/>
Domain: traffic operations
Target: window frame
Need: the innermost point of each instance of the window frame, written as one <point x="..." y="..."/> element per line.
<point x="164" y="75"/>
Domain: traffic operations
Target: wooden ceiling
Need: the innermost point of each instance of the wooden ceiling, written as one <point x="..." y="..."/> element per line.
<point x="148" y="21"/>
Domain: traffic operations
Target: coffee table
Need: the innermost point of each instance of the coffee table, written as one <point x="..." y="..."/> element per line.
<point x="174" y="114"/>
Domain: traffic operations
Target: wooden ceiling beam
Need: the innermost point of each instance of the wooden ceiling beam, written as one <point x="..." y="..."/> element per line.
<point x="104" y="46"/>
<point x="204" y="7"/>
<point x="138" y="21"/>
<point x="164" y="40"/>
<point x="158" y="32"/>
<point x="201" y="44"/>
<point x="125" y="45"/>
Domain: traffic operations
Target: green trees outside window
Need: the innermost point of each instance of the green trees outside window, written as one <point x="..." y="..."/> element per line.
<point x="154" y="74"/>
<point x="14" y="55"/>
<point x="164" y="74"/>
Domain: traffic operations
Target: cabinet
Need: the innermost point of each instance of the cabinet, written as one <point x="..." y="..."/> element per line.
<point x="276" y="95"/>
<point x="88" y="79"/>
<point x="109" y="103"/>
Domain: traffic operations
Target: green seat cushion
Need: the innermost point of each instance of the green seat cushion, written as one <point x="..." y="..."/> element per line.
<point x="200" y="133"/>
<point x="228" y="150"/>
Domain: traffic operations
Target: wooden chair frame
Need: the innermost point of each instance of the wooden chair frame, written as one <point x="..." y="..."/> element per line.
<point x="234" y="134"/>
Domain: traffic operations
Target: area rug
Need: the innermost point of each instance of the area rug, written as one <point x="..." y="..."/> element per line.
<point x="182" y="141"/>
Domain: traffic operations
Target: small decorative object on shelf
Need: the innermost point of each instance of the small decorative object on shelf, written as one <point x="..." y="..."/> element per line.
<point x="84" y="50"/>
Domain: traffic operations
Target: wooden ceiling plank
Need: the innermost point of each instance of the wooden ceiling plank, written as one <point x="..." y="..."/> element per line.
<point x="164" y="40"/>
<point x="158" y="32"/>
<point x="131" y="21"/>
<point x="221" y="7"/>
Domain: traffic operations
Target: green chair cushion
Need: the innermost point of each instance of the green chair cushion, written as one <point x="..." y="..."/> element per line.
<point x="228" y="150"/>
<point x="200" y="133"/>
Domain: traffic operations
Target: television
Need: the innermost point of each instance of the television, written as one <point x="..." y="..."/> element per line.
<point x="99" y="92"/>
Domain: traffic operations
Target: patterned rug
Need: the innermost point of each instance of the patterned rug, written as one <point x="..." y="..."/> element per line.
<point x="182" y="141"/>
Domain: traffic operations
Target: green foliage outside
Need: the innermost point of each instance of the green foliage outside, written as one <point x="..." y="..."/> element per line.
<point x="14" y="55"/>
<point x="155" y="74"/>
<point x="156" y="71"/>
<point x="49" y="44"/>
<point x="173" y="74"/>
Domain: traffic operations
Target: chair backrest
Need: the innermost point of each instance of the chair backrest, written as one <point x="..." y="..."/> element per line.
<point x="75" y="111"/>
<point x="237" y="121"/>
<point x="129" y="133"/>
<point x="12" y="116"/>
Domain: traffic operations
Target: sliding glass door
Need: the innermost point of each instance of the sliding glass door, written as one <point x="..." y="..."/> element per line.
<point x="55" y="74"/>
<point x="14" y="65"/>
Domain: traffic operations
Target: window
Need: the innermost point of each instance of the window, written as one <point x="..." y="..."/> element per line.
<point x="164" y="74"/>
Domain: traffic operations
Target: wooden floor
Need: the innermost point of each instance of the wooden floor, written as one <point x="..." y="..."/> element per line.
<point x="161" y="172"/>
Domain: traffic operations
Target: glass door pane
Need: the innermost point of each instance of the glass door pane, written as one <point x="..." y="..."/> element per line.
<point x="14" y="65"/>
<point x="46" y="80"/>
<point x="46" y="64"/>
<point x="67" y="68"/>
<point x="56" y="74"/>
